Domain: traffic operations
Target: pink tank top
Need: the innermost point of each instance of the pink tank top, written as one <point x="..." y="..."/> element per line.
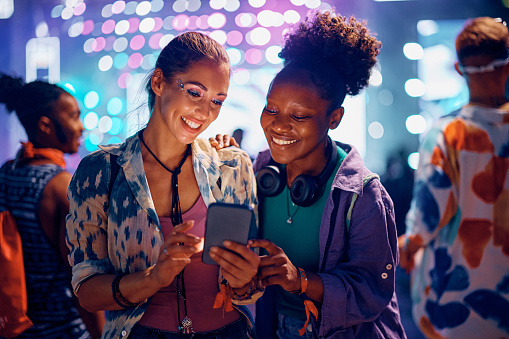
<point x="200" y="284"/>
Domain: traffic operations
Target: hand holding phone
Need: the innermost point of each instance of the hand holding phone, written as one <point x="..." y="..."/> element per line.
<point x="226" y="222"/>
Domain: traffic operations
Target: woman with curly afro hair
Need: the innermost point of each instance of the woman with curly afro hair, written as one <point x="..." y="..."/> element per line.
<point x="326" y="221"/>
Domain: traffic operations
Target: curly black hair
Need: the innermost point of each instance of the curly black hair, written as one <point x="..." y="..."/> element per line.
<point x="339" y="53"/>
<point x="30" y="100"/>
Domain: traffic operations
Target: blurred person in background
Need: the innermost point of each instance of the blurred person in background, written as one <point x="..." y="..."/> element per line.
<point x="457" y="237"/>
<point x="33" y="188"/>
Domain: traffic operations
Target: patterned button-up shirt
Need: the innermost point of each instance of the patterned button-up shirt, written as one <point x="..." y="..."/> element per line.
<point x="121" y="232"/>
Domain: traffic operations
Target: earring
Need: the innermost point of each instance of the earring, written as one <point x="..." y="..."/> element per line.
<point x="180" y="84"/>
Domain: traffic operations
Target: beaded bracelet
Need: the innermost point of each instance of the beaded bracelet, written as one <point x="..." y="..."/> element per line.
<point x="249" y="293"/>
<point x="117" y="296"/>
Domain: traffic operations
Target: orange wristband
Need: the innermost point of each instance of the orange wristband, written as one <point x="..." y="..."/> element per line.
<point x="303" y="280"/>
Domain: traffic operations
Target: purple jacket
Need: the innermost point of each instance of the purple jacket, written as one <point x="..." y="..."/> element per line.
<point x="357" y="268"/>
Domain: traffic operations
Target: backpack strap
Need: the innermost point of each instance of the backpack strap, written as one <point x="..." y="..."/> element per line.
<point x="366" y="179"/>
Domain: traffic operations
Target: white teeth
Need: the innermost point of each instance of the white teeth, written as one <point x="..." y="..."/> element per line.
<point x="190" y="123"/>
<point x="283" y="142"/>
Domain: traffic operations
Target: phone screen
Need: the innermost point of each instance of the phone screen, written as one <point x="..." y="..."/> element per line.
<point x="226" y="222"/>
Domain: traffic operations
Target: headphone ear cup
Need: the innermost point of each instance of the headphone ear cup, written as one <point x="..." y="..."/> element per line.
<point x="269" y="180"/>
<point x="304" y="190"/>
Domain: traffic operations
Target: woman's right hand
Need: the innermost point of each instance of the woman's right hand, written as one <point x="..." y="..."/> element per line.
<point x="175" y="254"/>
<point x="223" y="140"/>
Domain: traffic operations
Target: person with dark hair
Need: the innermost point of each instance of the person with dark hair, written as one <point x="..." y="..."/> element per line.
<point x="33" y="188"/>
<point x="326" y="221"/>
<point x="457" y="237"/>
<point x="138" y="210"/>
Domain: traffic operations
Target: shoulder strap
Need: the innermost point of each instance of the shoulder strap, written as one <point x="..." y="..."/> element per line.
<point x="114" y="168"/>
<point x="366" y="179"/>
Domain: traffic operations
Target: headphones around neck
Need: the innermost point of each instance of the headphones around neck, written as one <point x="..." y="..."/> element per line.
<point x="305" y="189"/>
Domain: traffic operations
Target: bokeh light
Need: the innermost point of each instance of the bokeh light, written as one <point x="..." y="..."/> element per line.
<point x="271" y="54"/>
<point x="90" y="120"/>
<point x="114" y="106"/>
<point x="105" y="63"/>
<point x="376" y="130"/>
<point x="415" y="124"/>
<point x="415" y="87"/>
<point x="91" y="99"/>
<point x="413" y="160"/>
<point x="413" y="51"/>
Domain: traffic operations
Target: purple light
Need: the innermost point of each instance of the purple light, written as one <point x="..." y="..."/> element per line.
<point x="99" y="44"/>
<point x="203" y="22"/>
<point x="158" y="24"/>
<point x="233" y="38"/>
<point x="88" y="27"/>
<point x="180" y="22"/>
<point x="254" y="56"/>
<point x="135" y="60"/>
<point x="193" y="22"/>
<point x="137" y="42"/>
<point x="108" y="26"/>
<point x="125" y="79"/>
<point x="134" y="23"/>
<point x="109" y="43"/>
<point x="153" y="42"/>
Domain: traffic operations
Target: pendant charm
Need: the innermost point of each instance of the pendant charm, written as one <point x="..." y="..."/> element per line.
<point x="187" y="325"/>
<point x="289" y="220"/>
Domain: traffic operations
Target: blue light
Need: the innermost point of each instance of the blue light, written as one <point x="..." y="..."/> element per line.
<point x="116" y="126"/>
<point x="120" y="60"/>
<point x="114" y="106"/>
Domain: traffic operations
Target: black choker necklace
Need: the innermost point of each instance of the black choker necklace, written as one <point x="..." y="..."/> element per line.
<point x="186" y="325"/>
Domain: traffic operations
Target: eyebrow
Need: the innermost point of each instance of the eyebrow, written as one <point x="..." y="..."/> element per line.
<point x="199" y="84"/>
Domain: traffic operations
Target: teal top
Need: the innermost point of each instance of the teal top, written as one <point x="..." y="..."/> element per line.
<point x="298" y="239"/>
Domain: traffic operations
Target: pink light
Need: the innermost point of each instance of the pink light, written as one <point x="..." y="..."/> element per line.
<point x="153" y="42"/>
<point x="125" y="80"/>
<point x="80" y="9"/>
<point x="180" y="22"/>
<point x="135" y="60"/>
<point x="137" y="42"/>
<point x="108" y="26"/>
<point x="98" y="44"/>
<point x="158" y="24"/>
<point x="88" y="27"/>
<point x="234" y="38"/>
<point x="203" y="22"/>
<point x="193" y="23"/>
<point x="253" y="56"/>
<point x="134" y="23"/>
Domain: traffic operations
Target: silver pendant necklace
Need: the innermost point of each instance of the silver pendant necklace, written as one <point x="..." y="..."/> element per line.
<point x="290" y="216"/>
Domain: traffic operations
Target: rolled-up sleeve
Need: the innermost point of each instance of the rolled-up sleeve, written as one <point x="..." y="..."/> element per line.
<point x="87" y="220"/>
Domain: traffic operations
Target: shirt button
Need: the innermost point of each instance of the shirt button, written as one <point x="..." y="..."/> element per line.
<point x="124" y="333"/>
<point x="384" y="275"/>
<point x="389" y="266"/>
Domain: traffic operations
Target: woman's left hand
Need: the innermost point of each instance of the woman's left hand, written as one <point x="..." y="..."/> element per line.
<point x="238" y="268"/>
<point x="276" y="268"/>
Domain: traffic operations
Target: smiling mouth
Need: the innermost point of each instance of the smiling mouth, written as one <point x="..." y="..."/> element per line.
<point x="283" y="142"/>
<point x="191" y="124"/>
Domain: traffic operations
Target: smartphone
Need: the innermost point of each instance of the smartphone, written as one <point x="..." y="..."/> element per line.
<point x="226" y="222"/>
